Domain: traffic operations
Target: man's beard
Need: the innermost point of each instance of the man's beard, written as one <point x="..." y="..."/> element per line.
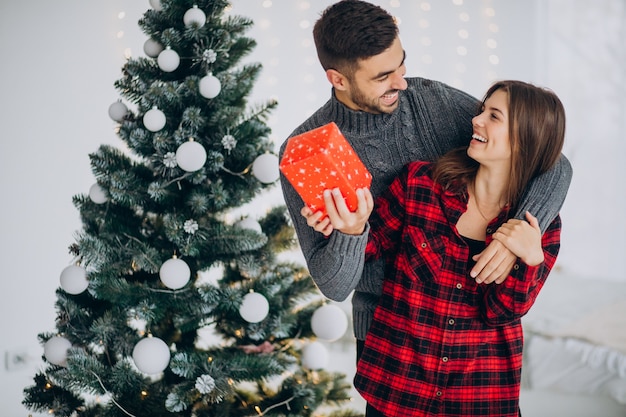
<point x="372" y="106"/>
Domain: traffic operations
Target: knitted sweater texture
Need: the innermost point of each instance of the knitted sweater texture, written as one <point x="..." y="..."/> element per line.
<point x="431" y="119"/>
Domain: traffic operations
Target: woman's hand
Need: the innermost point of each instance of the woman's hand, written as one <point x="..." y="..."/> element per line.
<point x="522" y="238"/>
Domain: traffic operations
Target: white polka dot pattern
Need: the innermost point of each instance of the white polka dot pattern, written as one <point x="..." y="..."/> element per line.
<point x="322" y="159"/>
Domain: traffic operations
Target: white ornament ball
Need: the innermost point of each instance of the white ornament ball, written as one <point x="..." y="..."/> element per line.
<point x="97" y="194"/>
<point x="209" y="86"/>
<point x="151" y="355"/>
<point x="156" y="5"/>
<point x="329" y="322"/>
<point x="152" y="48"/>
<point x="191" y="156"/>
<point x="117" y="111"/>
<point x="194" y="16"/>
<point x="55" y="350"/>
<point x="250" y="224"/>
<point x="254" y="307"/>
<point x="168" y="60"/>
<point x="175" y="273"/>
<point x="315" y="356"/>
<point x="74" y="279"/>
<point x="265" y="168"/>
<point x="154" y="120"/>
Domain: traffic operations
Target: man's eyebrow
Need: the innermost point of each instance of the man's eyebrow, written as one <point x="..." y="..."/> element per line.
<point x="382" y="74"/>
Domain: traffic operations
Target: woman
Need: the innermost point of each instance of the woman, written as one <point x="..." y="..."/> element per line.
<point x="441" y="344"/>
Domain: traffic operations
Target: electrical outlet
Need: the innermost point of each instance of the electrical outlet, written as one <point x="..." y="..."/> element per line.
<point x="16" y="359"/>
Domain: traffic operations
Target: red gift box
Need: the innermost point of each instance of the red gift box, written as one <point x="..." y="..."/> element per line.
<point x="322" y="159"/>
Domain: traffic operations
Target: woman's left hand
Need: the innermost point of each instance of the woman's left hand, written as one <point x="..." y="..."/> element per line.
<point x="523" y="238"/>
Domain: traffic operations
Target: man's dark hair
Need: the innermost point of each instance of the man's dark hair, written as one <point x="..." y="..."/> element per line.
<point x="351" y="30"/>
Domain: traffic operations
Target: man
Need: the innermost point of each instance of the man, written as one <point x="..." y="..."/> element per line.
<point x="389" y="120"/>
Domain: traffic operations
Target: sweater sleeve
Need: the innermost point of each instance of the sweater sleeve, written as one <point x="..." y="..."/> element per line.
<point x="335" y="262"/>
<point x="546" y="193"/>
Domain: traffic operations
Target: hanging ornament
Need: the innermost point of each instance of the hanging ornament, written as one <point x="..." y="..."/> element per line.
<point x="156" y="5"/>
<point x="250" y="224"/>
<point x="168" y="60"/>
<point x="154" y="120"/>
<point x="209" y="86"/>
<point x="151" y="355"/>
<point x="254" y="307"/>
<point x="314" y="356"/>
<point x="191" y="156"/>
<point x="194" y="16"/>
<point x="265" y="168"/>
<point x="74" y="279"/>
<point x="55" y="350"/>
<point x="97" y="194"/>
<point x="329" y="322"/>
<point x="117" y="111"/>
<point x="152" y="48"/>
<point x="174" y="273"/>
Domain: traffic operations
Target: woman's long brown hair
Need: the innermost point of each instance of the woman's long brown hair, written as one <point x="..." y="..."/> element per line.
<point x="536" y="132"/>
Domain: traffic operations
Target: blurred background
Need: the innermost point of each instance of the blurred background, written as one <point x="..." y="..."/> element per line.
<point x="59" y="61"/>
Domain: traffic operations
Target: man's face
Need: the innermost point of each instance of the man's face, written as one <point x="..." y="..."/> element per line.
<point x="374" y="87"/>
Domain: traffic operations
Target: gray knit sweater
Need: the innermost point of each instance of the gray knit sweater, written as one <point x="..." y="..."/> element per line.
<point x="431" y="119"/>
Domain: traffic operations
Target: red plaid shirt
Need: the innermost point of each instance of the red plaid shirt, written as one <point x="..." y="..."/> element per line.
<point x="441" y="345"/>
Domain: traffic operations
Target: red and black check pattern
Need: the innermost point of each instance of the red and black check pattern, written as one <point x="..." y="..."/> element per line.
<point x="440" y="344"/>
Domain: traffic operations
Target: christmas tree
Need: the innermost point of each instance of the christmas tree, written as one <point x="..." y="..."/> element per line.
<point x="174" y="304"/>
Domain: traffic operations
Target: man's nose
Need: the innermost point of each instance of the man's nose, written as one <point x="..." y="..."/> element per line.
<point x="399" y="83"/>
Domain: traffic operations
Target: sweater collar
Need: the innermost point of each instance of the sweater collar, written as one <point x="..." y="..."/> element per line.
<point x="360" y="123"/>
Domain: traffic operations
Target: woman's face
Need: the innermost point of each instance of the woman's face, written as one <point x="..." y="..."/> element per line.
<point x="490" y="144"/>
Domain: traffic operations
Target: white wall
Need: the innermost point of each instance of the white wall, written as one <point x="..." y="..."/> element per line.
<point x="60" y="59"/>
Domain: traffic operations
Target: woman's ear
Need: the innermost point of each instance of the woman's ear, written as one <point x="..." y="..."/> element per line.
<point x="337" y="79"/>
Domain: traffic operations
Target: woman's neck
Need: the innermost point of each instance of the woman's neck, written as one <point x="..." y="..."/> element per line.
<point x="486" y="200"/>
<point x="487" y="193"/>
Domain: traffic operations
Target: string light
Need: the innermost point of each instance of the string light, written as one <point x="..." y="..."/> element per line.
<point x="286" y="403"/>
<point x="492" y="44"/>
